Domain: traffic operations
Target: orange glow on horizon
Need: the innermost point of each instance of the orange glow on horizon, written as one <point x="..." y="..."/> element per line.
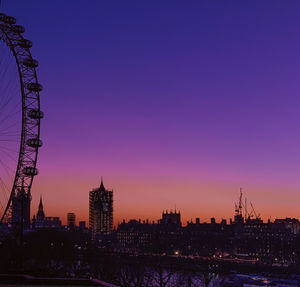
<point x="145" y="199"/>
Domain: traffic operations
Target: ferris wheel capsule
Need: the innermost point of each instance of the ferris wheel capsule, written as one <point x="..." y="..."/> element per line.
<point x="30" y="171"/>
<point x="17" y="29"/>
<point x="24" y="43"/>
<point x="34" y="142"/>
<point x="35" y="114"/>
<point x="34" y="87"/>
<point x="2" y="17"/>
<point x="31" y="63"/>
<point x="9" y="20"/>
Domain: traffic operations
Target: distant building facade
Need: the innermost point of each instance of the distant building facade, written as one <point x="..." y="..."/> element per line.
<point x="291" y="223"/>
<point x="251" y="240"/>
<point x="82" y="225"/>
<point x="171" y="218"/>
<point x="71" y="219"/>
<point x="101" y="211"/>
<point x="21" y="208"/>
<point x="164" y="235"/>
<point x="135" y="234"/>
<point x="40" y="221"/>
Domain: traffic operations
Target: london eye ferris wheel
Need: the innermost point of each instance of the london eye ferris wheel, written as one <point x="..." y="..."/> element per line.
<point x="20" y="116"/>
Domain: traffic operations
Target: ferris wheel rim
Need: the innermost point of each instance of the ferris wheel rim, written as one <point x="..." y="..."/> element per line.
<point x="11" y="35"/>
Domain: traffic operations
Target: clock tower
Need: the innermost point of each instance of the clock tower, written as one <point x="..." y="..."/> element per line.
<point x="101" y="211"/>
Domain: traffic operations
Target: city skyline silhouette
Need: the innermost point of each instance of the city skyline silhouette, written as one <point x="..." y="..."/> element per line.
<point x="172" y="104"/>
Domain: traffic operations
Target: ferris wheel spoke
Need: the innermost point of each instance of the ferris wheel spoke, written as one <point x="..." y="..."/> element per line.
<point x="8" y="135"/>
<point x="5" y="189"/>
<point x="7" y="169"/>
<point x="4" y="71"/>
<point x="9" y="155"/>
<point x="4" y="149"/>
<point x="9" y="149"/>
<point x="9" y="127"/>
<point x="6" y="103"/>
<point x="5" y="119"/>
<point x="6" y="140"/>
<point x="2" y="206"/>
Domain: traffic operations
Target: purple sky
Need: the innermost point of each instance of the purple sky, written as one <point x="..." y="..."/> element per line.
<point x="173" y="102"/>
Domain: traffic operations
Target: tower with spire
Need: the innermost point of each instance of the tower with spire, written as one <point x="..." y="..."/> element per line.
<point x="41" y="221"/>
<point x="40" y="214"/>
<point x="101" y="211"/>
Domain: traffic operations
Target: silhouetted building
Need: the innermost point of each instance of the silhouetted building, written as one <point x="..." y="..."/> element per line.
<point x="82" y="225"/>
<point x="4" y="231"/>
<point x="248" y="240"/>
<point x="71" y="219"/>
<point x="135" y="234"/>
<point x="290" y="223"/>
<point x="101" y="211"/>
<point x="268" y="242"/>
<point x="40" y="221"/>
<point x="21" y="208"/>
<point x="169" y="233"/>
<point x="207" y="239"/>
<point x="171" y="218"/>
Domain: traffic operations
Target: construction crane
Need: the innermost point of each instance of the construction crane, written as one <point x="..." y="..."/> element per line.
<point x="239" y="208"/>
<point x="253" y="210"/>
<point x="238" y="217"/>
<point x="243" y="206"/>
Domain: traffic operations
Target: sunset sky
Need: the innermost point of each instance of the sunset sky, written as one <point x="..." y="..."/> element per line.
<point x="174" y="103"/>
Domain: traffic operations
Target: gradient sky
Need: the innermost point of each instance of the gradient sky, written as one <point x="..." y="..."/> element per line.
<point x="174" y="103"/>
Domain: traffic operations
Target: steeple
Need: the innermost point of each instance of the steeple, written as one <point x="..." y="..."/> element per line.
<point x="41" y="204"/>
<point x="102" y="188"/>
<point x="40" y="214"/>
